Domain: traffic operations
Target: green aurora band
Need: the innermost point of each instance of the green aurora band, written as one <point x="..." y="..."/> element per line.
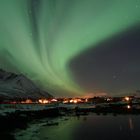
<point x="40" y="37"/>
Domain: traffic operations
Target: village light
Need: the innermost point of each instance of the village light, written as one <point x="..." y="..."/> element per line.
<point x="28" y="101"/>
<point x="45" y="101"/>
<point x="66" y="101"/>
<point x="86" y="100"/>
<point x="54" y="100"/>
<point x="127" y="98"/>
<point x="71" y="101"/>
<point x="40" y="101"/>
<point x="128" y="106"/>
<point x="75" y="101"/>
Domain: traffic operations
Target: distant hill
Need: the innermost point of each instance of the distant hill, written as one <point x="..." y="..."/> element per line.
<point x="18" y="86"/>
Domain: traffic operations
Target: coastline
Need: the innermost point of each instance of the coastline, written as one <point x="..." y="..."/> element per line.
<point x="13" y="122"/>
<point x="20" y="120"/>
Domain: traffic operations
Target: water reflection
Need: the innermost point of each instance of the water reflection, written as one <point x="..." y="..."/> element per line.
<point x="94" y="127"/>
<point x="131" y="124"/>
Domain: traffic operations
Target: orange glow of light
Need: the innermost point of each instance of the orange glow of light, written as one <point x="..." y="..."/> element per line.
<point x="79" y="100"/>
<point x="54" y="100"/>
<point x="127" y="98"/>
<point x="75" y="101"/>
<point x="28" y="101"/>
<point x="66" y="101"/>
<point x="86" y="100"/>
<point x="22" y="102"/>
<point x="40" y="101"/>
<point x="45" y="101"/>
<point x="71" y="101"/>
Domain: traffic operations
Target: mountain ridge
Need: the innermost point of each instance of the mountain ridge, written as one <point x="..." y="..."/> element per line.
<point x="18" y="86"/>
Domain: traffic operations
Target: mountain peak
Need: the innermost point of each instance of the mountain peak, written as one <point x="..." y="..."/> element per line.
<point x="19" y="86"/>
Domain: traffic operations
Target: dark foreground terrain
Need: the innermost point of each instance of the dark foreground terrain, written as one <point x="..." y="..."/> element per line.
<point x="20" y="120"/>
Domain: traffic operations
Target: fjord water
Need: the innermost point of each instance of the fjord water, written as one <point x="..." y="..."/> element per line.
<point x="93" y="127"/>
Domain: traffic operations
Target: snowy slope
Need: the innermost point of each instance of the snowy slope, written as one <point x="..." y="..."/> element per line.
<point x="18" y="86"/>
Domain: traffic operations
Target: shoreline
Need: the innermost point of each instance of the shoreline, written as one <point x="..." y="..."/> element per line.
<point x="20" y="120"/>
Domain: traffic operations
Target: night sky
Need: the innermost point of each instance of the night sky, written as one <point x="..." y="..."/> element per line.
<point x="73" y="47"/>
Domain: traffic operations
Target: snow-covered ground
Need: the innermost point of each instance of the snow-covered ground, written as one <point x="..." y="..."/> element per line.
<point x="9" y="108"/>
<point x="30" y="132"/>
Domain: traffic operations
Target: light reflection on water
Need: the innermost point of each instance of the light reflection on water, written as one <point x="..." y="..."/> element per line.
<point x="131" y="124"/>
<point x="96" y="127"/>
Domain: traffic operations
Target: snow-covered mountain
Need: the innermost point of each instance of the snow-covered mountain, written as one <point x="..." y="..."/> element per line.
<point x="18" y="86"/>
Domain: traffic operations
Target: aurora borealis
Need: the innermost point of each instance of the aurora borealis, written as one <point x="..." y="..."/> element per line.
<point x="45" y="40"/>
